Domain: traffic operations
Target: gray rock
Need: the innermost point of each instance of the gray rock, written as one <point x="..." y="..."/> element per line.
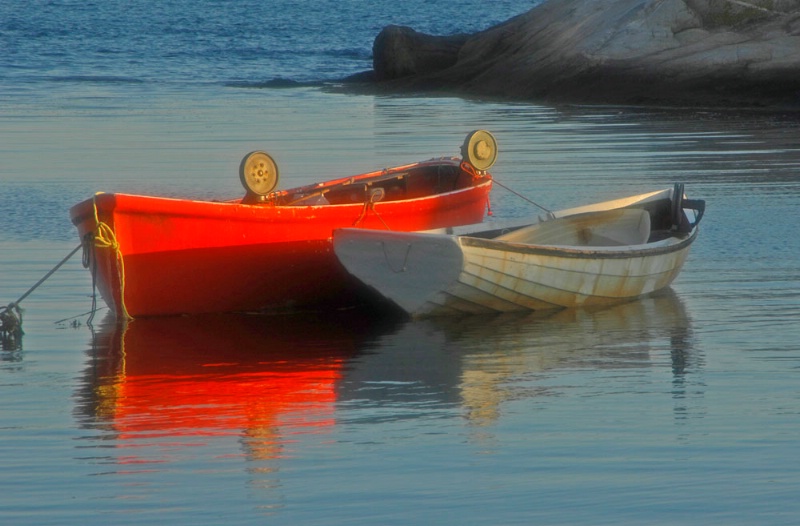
<point x="709" y="52"/>
<point x="401" y="52"/>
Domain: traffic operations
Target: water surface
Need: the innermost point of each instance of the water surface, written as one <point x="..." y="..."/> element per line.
<point x="683" y="408"/>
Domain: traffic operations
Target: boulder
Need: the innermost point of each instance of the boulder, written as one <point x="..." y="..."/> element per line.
<point x="709" y="52"/>
<point x="401" y="52"/>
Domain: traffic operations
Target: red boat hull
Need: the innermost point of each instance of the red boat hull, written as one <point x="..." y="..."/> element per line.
<point x="158" y="256"/>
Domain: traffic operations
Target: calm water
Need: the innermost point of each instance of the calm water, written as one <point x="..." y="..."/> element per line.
<point x="683" y="408"/>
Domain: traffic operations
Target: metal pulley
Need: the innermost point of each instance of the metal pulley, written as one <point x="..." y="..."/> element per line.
<point x="480" y="149"/>
<point x="258" y="173"/>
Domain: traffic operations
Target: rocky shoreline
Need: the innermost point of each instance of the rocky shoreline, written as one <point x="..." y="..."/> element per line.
<point x="717" y="53"/>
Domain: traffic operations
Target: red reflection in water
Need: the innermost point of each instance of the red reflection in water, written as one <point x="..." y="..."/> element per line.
<point x="173" y="382"/>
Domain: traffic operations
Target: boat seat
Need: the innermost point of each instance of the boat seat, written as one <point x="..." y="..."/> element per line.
<point x="394" y="187"/>
<point x="593" y="229"/>
<point x="313" y="199"/>
<point x="388" y="179"/>
<point x="360" y="192"/>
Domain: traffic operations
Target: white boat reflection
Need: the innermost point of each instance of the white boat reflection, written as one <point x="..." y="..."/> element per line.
<point x="471" y="363"/>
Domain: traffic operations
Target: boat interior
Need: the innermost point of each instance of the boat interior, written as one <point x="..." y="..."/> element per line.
<point x="259" y="174"/>
<point x="409" y="183"/>
<point x="642" y="223"/>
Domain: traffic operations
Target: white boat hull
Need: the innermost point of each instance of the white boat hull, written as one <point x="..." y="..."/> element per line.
<point x="437" y="274"/>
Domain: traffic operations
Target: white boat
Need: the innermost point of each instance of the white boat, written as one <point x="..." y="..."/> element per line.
<point x="596" y="254"/>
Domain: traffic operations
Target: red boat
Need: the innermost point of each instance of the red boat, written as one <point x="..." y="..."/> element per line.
<point x="270" y="250"/>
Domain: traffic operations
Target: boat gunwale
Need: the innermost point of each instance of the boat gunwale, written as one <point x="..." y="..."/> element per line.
<point x="375" y="174"/>
<point x="127" y="202"/>
<point x="662" y="247"/>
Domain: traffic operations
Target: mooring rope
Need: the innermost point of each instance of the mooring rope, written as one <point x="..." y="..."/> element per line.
<point x="52" y="271"/>
<point x="89" y="313"/>
<point x="90" y="262"/>
<point x="103" y="237"/>
<point x="11" y="315"/>
<point x="549" y="212"/>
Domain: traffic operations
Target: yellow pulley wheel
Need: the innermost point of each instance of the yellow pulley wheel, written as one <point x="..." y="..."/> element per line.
<point x="258" y="173"/>
<point x="480" y="149"/>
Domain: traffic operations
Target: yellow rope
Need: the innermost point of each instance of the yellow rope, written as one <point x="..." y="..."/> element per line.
<point x="109" y="395"/>
<point x="106" y="238"/>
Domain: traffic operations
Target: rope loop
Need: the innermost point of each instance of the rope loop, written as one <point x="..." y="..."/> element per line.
<point x="87" y="243"/>
<point x="466" y="167"/>
<point x="404" y="266"/>
<point x="369" y="205"/>
<point x="105" y="237"/>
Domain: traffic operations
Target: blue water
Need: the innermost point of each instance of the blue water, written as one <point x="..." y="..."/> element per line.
<point x="682" y="409"/>
<point x="235" y="42"/>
